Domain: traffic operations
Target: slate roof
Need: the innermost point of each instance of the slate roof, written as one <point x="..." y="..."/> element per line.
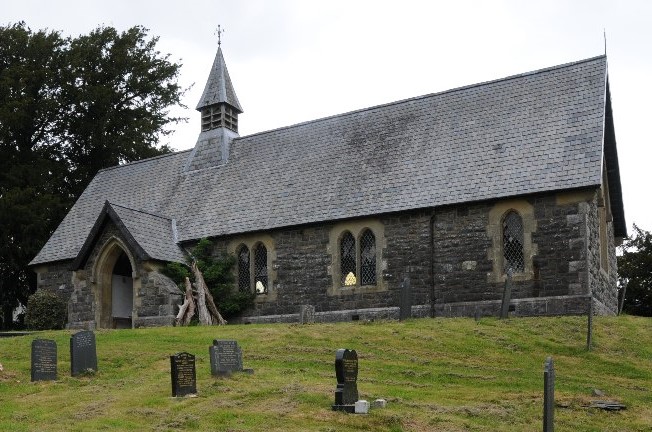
<point x="535" y="132"/>
<point x="218" y="86"/>
<point x="150" y="236"/>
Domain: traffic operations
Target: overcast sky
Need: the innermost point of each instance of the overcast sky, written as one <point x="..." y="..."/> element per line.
<point x="293" y="61"/>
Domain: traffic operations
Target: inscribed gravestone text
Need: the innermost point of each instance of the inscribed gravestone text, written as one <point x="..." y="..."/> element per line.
<point x="226" y="357"/>
<point x="83" y="354"/>
<point x="183" y="374"/>
<point x="346" y="371"/>
<point x="44" y="360"/>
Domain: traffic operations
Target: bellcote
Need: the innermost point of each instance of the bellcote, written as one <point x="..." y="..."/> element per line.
<point x="219" y="108"/>
<point x="219" y="105"/>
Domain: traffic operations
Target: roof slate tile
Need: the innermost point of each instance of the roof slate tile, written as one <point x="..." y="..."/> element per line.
<point x="525" y="134"/>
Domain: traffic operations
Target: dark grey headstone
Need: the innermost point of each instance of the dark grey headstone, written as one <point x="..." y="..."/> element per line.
<point x="405" y="309"/>
<point x="226" y="358"/>
<point x="44" y="360"/>
<point x="346" y="371"/>
<point x="548" y="396"/>
<point x="307" y="314"/>
<point x="507" y="296"/>
<point x="184" y="377"/>
<point x="83" y="354"/>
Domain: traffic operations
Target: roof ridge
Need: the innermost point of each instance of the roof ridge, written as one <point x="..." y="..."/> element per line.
<point x="140" y="211"/>
<point x="466" y="87"/>
<point x="143" y="160"/>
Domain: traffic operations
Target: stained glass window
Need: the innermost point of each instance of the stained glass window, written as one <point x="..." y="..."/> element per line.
<point x="347" y="256"/>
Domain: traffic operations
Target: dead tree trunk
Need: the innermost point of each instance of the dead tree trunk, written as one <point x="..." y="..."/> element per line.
<point x="187" y="309"/>
<point x="208" y="313"/>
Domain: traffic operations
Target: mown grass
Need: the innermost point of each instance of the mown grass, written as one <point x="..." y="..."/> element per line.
<point x="436" y="374"/>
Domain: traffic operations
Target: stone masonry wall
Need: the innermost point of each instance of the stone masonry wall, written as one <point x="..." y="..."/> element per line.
<point x="56" y="278"/>
<point x="448" y="253"/>
<point x="603" y="281"/>
<point x="559" y="254"/>
<point x="304" y="258"/>
<point x="561" y="260"/>
<point x="155" y="299"/>
<point x="451" y="249"/>
<point x="461" y="263"/>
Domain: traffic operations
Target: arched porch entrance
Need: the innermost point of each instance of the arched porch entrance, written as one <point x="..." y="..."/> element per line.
<point x="122" y="293"/>
<point x="114" y="287"/>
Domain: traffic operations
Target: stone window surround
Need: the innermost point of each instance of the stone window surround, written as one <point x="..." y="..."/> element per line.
<point x="356" y="228"/>
<point x="251" y="241"/>
<point x="495" y="232"/>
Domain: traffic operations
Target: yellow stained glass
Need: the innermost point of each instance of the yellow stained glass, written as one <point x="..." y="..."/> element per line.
<point x="350" y="279"/>
<point x="260" y="288"/>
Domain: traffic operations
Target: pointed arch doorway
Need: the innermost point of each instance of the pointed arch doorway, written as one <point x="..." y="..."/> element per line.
<point x="114" y="287"/>
<point x="122" y="293"/>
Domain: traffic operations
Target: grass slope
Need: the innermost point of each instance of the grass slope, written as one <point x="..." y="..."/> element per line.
<point x="436" y="374"/>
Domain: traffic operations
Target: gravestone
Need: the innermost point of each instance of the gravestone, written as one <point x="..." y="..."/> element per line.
<point x="548" y="396"/>
<point x="44" y="360"/>
<point x="405" y="301"/>
<point x="226" y="358"/>
<point x="346" y="371"/>
<point x="83" y="354"/>
<point x="307" y="314"/>
<point x="507" y="295"/>
<point x="182" y="371"/>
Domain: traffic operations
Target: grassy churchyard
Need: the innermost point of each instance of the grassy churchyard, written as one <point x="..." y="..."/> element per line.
<point x="436" y="375"/>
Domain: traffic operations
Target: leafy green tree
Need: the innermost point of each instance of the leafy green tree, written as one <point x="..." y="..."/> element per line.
<point x="635" y="273"/>
<point x="69" y="107"/>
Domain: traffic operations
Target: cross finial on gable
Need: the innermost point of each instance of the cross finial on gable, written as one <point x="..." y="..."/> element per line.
<point x="219" y="32"/>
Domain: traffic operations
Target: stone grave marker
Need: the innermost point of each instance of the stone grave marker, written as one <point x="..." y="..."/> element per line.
<point x="44" y="360"/>
<point x="83" y="354"/>
<point x="507" y="296"/>
<point x="548" y="396"/>
<point x="346" y="371"/>
<point x="307" y="314"/>
<point x="405" y="309"/>
<point x="184" y="377"/>
<point x="226" y="358"/>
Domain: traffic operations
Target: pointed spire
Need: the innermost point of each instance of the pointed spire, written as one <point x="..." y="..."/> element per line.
<point x="218" y="86"/>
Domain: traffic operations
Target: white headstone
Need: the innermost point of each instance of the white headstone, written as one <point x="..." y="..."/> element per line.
<point x="361" y="407"/>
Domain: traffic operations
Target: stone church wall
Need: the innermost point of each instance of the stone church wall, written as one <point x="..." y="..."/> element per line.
<point x="450" y="256"/>
<point x="603" y="279"/>
<point x="304" y="269"/>
<point x="562" y="253"/>
<point x="445" y="262"/>
<point x="155" y="300"/>
<point x="56" y="278"/>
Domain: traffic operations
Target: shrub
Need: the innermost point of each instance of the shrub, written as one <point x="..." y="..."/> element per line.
<point x="45" y="311"/>
<point x="218" y="275"/>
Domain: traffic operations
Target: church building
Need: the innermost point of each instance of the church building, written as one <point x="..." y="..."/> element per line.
<point x="423" y="207"/>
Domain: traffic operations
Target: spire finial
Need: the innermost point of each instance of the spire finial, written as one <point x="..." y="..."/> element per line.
<point x="219" y="32"/>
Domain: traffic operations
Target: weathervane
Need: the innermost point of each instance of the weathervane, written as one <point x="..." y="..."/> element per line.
<point x="219" y="32"/>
